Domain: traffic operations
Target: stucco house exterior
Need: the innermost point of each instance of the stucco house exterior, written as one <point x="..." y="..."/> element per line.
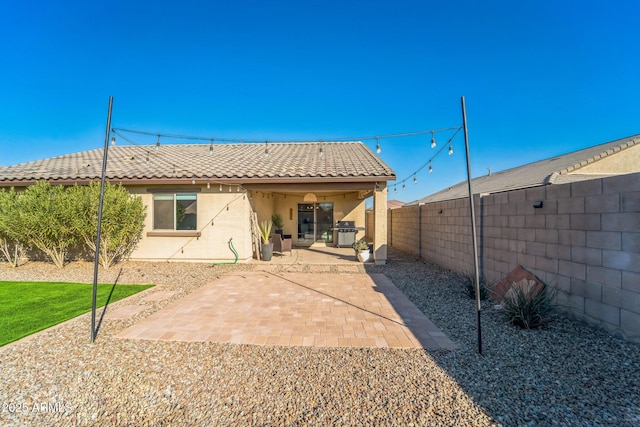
<point x="200" y="196"/>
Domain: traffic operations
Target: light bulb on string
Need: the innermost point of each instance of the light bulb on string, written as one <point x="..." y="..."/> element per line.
<point x="433" y="140"/>
<point x="415" y="180"/>
<point x="229" y="189"/>
<point x="378" y="149"/>
<point x="158" y="144"/>
<point x="395" y="189"/>
<point x="147" y="159"/>
<point x="208" y="185"/>
<point x="211" y="147"/>
<point x="220" y="189"/>
<point x="404" y="187"/>
<point x="113" y="140"/>
<point x="193" y="181"/>
<point x="174" y="171"/>
<point x="321" y="153"/>
<point x="430" y="169"/>
<point x="450" y="149"/>
<point x="266" y="148"/>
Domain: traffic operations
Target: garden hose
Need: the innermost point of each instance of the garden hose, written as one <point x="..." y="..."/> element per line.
<point x="233" y="249"/>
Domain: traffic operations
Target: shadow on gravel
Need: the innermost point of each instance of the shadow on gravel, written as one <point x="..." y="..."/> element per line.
<point x="106" y="305"/>
<point x="567" y="373"/>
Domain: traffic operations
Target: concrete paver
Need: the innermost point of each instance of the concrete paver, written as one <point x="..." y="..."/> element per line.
<point x="295" y="309"/>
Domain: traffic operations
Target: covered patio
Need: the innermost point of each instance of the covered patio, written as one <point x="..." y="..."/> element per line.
<point x="316" y="254"/>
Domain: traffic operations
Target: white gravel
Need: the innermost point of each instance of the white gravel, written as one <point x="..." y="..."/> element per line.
<point x="567" y="374"/>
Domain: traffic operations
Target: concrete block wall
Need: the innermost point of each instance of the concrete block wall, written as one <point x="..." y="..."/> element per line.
<point x="446" y="234"/>
<point x="369" y="225"/>
<point x="405" y="225"/>
<point x="584" y="240"/>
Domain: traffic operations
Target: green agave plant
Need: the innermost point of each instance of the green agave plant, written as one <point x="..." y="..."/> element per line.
<point x="527" y="308"/>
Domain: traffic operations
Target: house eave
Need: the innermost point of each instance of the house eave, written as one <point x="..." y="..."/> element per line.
<point x="263" y="182"/>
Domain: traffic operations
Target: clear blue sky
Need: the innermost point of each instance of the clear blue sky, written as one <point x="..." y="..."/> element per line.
<point x="540" y="78"/>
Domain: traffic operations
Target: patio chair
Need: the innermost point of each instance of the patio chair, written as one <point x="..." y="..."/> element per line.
<point x="280" y="244"/>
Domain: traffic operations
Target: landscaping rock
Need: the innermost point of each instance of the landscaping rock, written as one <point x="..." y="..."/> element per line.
<point x="566" y="374"/>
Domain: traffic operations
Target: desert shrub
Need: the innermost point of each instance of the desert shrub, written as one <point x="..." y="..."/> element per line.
<point x="56" y="220"/>
<point x="11" y="246"/>
<point x="469" y="288"/>
<point x="527" y="307"/>
<point x="122" y="220"/>
<point x="44" y="217"/>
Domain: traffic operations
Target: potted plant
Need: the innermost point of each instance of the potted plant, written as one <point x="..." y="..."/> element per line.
<point x="362" y="250"/>
<point x="267" y="246"/>
<point x="276" y="219"/>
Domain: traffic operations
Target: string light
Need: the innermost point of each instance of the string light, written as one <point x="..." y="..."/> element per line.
<point x="404" y="187"/>
<point x="345" y="139"/>
<point x="113" y="140"/>
<point x="193" y="180"/>
<point x="449" y="143"/>
<point x="208" y="185"/>
<point x="395" y="189"/>
<point x="220" y="188"/>
<point x="321" y="149"/>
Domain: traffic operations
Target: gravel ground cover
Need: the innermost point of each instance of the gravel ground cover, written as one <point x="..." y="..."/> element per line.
<point x="567" y="374"/>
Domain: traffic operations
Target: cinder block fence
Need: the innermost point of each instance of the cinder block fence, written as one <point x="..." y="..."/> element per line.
<point x="584" y="240"/>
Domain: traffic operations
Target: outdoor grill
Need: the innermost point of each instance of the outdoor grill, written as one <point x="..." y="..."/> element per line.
<point x="347" y="231"/>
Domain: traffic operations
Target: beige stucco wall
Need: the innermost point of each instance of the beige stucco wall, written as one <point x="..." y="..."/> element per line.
<point x="222" y="215"/>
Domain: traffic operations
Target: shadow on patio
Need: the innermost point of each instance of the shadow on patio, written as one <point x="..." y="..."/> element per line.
<point x="334" y="307"/>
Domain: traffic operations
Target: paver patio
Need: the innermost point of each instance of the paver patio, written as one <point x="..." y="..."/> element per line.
<point x="295" y="309"/>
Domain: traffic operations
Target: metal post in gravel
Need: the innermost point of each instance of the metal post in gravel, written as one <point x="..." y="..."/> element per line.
<point x="473" y="226"/>
<point x="97" y="255"/>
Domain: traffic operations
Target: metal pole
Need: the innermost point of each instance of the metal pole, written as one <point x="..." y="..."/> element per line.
<point x="96" y="262"/>
<point x="473" y="226"/>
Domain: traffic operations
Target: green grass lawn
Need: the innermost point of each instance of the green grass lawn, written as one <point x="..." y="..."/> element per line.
<point x="28" y="307"/>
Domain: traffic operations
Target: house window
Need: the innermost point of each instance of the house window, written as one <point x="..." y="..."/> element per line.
<point x="178" y="211"/>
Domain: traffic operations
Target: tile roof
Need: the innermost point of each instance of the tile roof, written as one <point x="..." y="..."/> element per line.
<point x="241" y="162"/>
<point x="556" y="170"/>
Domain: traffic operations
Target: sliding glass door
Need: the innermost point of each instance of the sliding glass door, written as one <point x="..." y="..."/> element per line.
<point x="315" y="221"/>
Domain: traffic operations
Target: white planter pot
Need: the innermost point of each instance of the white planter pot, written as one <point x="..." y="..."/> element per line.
<point x="363" y="256"/>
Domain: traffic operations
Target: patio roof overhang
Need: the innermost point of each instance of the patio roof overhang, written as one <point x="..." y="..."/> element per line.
<point x="364" y="188"/>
